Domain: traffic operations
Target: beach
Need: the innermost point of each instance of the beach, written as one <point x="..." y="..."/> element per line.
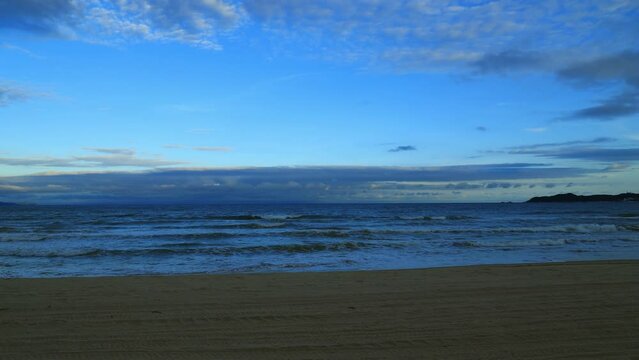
<point x="573" y="310"/>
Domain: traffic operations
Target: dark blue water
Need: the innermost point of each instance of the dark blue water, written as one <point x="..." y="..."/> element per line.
<point x="52" y="241"/>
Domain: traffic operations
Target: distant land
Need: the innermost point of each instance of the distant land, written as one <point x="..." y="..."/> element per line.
<point x="570" y="197"/>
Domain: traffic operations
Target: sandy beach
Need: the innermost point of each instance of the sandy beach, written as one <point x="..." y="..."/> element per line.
<point x="544" y="311"/>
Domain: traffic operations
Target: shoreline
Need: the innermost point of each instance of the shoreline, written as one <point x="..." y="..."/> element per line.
<point x="584" y="309"/>
<point x="275" y="273"/>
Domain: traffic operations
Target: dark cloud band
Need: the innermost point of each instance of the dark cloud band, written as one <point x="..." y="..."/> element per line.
<point x="283" y="184"/>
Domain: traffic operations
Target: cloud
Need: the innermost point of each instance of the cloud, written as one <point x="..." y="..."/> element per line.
<point x="426" y="35"/>
<point x="213" y="148"/>
<point x="194" y="22"/>
<point x="587" y="150"/>
<point x="37" y="161"/>
<point x="624" y="104"/>
<point x="609" y="69"/>
<point x="200" y="148"/>
<point x="409" y="34"/>
<point x="618" y="68"/>
<point x="579" y="150"/>
<point x="536" y="129"/>
<point x="116" y="151"/>
<point x="509" y="60"/>
<point x="598" y="140"/>
<point x="315" y="184"/>
<point x="591" y="153"/>
<point x="20" y="50"/>
<point x="12" y="188"/>
<point x="115" y="157"/>
<point x="51" y="17"/>
<point x="622" y="66"/>
<point x="463" y="186"/>
<point x="403" y="148"/>
<point x="119" y="160"/>
<point x="617" y="167"/>
<point x="494" y="185"/>
<point x="10" y="94"/>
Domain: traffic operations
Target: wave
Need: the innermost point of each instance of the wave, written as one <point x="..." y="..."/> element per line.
<point x="631" y="227"/>
<point x="581" y="228"/>
<point x="513" y="244"/>
<point x="306" y="248"/>
<point x="233" y="217"/>
<point x="628" y="215"/>
<point x="436" y="217"/>
<point x="314" y="234"/>
<point x="182" y="244"/>
<point x="202" y="236"/>
<point x="280" y="218"/>
<point x="523" y="243"/>
<point x="465" y="244"/>
<point x="412" y="218"/>
<point x="126" y="215"/>
<point x="186" y="248"/>
<point x="23" y="239"/>
<point x="244" y="217"/>
<point x="7" y="229"/>
<point x="459" y="217"/>
<point x="248" y="226"/>
<point x="571" y="228"/>
<point x="54" y="226"/>
<point x="310" y="217"/>
<point x="587" y="228"/>
<point x="26" y="253"/>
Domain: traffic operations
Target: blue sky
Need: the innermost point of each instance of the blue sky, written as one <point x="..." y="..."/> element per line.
<point x="335" y="101"/>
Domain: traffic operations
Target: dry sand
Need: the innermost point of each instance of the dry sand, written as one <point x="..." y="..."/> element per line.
<point x="546" y="311"/>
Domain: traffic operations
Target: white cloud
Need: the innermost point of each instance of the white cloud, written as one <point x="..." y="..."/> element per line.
<point x="213" y="148"/>
<point x="194" y="22"/>
<point x="424" y="34"/>
<point x="415" y="33"/>
<point x="115" y="151"/>
<point x="13" y="188"/>
<point x="536" y="129"/>
<point x="10" y="94"/>
<point x="20" y="50"/>
<point x="115" y="157"/>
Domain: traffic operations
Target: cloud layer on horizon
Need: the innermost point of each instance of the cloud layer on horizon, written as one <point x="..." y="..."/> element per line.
<point x="284" y="184"/>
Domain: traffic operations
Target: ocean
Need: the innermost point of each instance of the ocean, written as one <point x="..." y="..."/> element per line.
<point x="60" y="241"/>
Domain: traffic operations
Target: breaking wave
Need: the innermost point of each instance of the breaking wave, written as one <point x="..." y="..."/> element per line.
<point x="187" y="248"/>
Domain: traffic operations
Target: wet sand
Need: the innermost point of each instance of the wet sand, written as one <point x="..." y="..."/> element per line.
<point x="543" y="311"/>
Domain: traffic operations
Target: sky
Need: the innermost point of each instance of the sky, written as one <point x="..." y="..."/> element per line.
<point x="207" y="101"/>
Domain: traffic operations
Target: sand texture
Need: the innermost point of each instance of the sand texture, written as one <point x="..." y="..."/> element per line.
<point x="587" y="310"/>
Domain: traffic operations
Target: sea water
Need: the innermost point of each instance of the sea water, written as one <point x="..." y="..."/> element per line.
<point x="55" y="241"/>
